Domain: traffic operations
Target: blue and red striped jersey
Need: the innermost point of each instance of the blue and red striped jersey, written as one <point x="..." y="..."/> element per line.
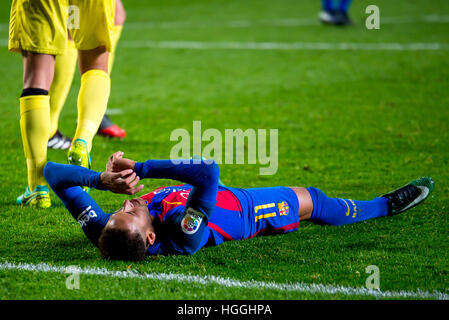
<point x="238" y="214"/>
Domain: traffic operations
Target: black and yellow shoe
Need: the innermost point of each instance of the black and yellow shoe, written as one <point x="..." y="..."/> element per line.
<point x="38" y="198"/>
<point x="78" y="155"/>
<point x="409" y="195"/>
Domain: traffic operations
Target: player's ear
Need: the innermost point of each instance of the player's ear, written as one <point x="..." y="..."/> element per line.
<point x="151" y="238"/>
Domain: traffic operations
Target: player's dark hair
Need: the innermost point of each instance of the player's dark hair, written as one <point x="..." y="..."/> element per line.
<point x="116" y="244"/>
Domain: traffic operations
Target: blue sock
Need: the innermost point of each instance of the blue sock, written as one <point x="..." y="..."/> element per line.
<point x="327" y="5"/>
<point x="344" y="5"/>
<point x="336" y="212"/>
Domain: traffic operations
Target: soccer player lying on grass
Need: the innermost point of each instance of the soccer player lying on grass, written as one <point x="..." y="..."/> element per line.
<point x="183" y="219"/>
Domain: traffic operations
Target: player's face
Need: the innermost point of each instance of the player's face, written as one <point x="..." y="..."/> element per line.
<point x="136" y="206"/>
<point x="133" y="216"/>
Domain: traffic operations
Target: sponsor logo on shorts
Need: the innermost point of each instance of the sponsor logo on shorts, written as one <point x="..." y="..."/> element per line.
<point x="192" y="221"/>
<point x="283" y="208"/>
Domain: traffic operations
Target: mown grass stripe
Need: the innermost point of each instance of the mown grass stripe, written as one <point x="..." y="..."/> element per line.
<point x="273" y="22"/>
<point x="288" y="46"/>
<point x="227" y="282"/>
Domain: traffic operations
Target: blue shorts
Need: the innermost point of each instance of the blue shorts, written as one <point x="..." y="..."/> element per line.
<point x="267" y="211"/>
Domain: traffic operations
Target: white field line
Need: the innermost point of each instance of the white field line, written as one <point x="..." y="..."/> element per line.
<point x="283" y="46"/>
<point x="274" y="22"/>
<point x="114" y="111"/>
<point x="227" y="282"/>
<point x="313" y="46"/>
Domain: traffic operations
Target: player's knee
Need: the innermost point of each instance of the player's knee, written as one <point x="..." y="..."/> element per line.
<point x="93" y="59"/>
<point x="120" y="13"/>
<point x="38" y="70"/>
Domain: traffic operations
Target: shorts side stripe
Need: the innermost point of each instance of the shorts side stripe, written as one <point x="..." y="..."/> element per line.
<point x="213" y="226"/>
<point x="288" y="227"/>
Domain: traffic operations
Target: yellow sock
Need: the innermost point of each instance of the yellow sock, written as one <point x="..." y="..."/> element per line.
<point x="92" y="102"/>
<point x="65" y="66"/>
<point x="34" y="127"/>
<point x="116" y="33"/>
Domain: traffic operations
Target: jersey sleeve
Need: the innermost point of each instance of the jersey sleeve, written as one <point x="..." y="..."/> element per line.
<point x="201" y="175"/>
<point x="187" y="231"/>
<point x="187" y="226"/>
<point x="66" y="182"/>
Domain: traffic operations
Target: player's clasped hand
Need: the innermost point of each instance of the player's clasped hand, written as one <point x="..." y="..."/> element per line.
<point x="117" y="163"/>
<point x="123" y="182"/>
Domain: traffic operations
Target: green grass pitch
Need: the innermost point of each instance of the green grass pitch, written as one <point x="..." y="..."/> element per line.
<point x="354" y="123"/>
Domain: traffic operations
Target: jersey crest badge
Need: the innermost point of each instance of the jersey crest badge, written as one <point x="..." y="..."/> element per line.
<point x="192" y="221"/>
<point x="283" y="208"/>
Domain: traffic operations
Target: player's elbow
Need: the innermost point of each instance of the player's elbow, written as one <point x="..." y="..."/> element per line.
<point x="211" y="171"/>
<point x="50" y="173"/>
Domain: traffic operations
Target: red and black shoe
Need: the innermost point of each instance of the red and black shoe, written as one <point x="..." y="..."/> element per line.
<point x="110" y="130"/>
